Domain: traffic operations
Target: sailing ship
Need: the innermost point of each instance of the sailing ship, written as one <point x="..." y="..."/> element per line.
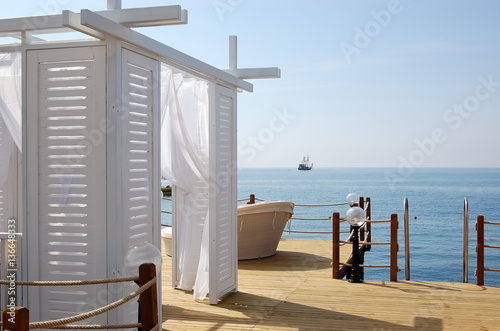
<point x="305" y="165"/>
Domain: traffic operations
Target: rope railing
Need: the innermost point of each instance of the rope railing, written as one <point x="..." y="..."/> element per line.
<point x="327" y="205"/>
<point x="366" y="265"/>
<point x="309" y="219"/>
<point x="147" y="303"/>
<point x="307" y="205"/>
<point x="378" y="221"/>
<point x="480" y="249"/>
<point x="96" y="326"/>
<point x="288" y="229"/>
<point x="92" y="313"/>
<point x="311" y="232"/>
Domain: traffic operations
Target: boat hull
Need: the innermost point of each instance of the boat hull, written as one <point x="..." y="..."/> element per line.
<point x="260" y="227"/>
<point x="166" y="238"/>
<point x="304" y="167"/>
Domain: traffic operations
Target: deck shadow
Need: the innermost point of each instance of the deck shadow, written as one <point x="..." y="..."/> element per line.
<point x="287" y="261"/>
<point x="303" y="317"/>
<point x="258" y="311"/>
<point x="419" y="287"/>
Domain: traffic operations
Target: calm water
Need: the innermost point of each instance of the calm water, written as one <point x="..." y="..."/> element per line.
<point x="436" y="198"/>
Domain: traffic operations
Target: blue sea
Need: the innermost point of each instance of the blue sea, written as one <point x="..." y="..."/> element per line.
<point x="436" y="202"/>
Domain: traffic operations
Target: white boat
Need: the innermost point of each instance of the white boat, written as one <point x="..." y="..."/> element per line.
<point x="260" y="227"/>
<point x="166" y="238"/>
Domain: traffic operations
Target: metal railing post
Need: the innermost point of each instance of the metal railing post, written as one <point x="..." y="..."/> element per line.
<point x="466" y="242"/>
<point x="407" y="239"/>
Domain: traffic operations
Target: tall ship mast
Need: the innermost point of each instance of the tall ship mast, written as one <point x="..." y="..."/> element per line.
<point x="305" y="164"/>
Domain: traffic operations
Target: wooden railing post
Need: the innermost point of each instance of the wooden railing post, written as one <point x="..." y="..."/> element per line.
<point x="252" y="199"/>
<point x="394" y="247"/>
<point x="362" y="230"/>
<point x="148" y="303"/>
<point x="335" y="245"/>
<point x="369" y="225"/>
<point x="480" y="250"/>
<point x="16" y="319"/>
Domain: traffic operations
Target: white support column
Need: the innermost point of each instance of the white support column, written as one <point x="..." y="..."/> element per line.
<point x="233" y="52"/>
<point x="114" y="4"/>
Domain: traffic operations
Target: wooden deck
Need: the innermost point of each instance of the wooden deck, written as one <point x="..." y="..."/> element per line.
<point x="293" y="290"/>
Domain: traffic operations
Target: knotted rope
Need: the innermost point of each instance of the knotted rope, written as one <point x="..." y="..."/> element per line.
<point x="97" y="326"/>
<point x="92" y="313"/>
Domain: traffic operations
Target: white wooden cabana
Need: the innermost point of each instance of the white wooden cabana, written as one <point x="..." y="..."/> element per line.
<point x="88" y="115"/>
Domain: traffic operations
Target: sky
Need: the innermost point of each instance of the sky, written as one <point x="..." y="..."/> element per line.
<point x="393" y="83"/>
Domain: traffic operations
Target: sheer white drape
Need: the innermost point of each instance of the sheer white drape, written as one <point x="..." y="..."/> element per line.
<point x="10" y="109"/>
<point x="184" y="162"/>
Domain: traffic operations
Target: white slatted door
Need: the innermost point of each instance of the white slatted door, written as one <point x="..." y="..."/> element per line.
<point x="140" y="215"/>
<point x="8" y="191"/>
<point x="139" y="88"/>
<point x="223" y="214"/>
<point x="8" y="200"/>
<point x="66" y="159"/>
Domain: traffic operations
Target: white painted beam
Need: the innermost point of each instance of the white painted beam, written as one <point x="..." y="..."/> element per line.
<point x="255" y="73"/>
<point x="34" y="23"/>
<point x="247" y="73"/>
<point x="233" y="52"/>
<point x="114" y="4"/>
<point x="107" y="26"/>
<point x="72" y="20"/>
<point x="150" y="16"/>
<point x="131" y="17"/>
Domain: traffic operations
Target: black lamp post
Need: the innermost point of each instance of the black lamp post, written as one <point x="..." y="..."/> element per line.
<point x="356" y="218"/>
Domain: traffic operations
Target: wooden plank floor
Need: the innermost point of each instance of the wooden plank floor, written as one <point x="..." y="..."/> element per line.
<point x="293" y="290"/>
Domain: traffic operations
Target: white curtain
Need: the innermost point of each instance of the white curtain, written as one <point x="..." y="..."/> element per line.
<point x="10" y="109"/>
<point x="184" y="162"/>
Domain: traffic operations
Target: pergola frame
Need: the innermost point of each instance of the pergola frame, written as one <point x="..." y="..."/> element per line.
<point x="117" y="23"/>
<point x="112" y="27"/>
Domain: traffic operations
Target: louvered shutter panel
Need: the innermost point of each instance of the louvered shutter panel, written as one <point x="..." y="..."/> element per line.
<point x="223" y="234"/>
<point x="138" y="75"/>
<point x="140" y="176"/>
<point x="8" y="191"/>
<point x="66" y="159"/>
<point x="8" y="200"/>
<point x="3" y="159"/>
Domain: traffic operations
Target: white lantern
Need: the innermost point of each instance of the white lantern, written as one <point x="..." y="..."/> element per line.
<point x="356" y="216"/>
